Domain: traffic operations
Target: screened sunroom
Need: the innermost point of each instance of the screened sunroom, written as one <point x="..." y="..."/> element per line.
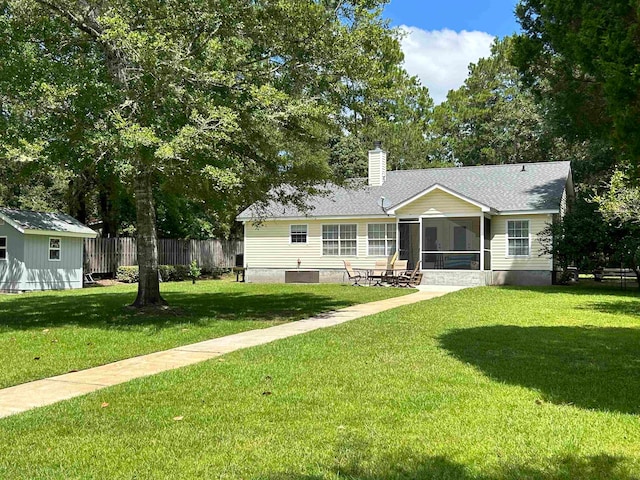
<point x="446" y="243"/>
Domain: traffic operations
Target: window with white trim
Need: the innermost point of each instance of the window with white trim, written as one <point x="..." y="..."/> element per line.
<point x="55" y="249"/>
<point x="518" y="238"/>
<point x="340" y="239"/>
<point x="298" y="233"/>
<point x="3" y="248"/>
<point x="381" y="239"/>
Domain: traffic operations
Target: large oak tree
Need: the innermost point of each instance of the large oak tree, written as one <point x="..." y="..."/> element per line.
<point x="225" y="101"/>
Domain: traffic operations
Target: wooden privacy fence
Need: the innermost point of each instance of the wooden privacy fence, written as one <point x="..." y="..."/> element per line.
<point x="105" y="255"/>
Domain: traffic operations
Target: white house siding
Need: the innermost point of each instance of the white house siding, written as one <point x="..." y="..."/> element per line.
<point x="12" y="269"/>
<point x="535" y="261"/>
<point x="267" y="246"/>
<point x="44" y="274"/>
<point x="438" y="202"/>
<point x="377" y="167"/>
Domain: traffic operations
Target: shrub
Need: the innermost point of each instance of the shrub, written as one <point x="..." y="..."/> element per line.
<point x="194" y="271"/>
<point x="127" y="274"/>
<point x="167" y="272"/>
<point x="181" y="272"/>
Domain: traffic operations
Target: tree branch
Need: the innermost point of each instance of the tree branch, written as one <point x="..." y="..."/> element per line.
<point x="94" y="31"/>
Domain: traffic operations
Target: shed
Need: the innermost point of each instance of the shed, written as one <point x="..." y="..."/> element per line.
<point x="41" y="251"/>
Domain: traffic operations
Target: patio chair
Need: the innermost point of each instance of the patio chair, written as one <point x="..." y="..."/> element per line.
<point x="353" y="275"/>
<point x="378" y="273"/>
<point x="399" y="267"/>
<point x="411" y="279"/>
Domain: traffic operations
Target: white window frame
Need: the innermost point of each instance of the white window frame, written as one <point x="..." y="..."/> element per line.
<point x="59" y="249"/>
<point x="339" y="225"/>
<point x="5" y="248"/>
<point x="528" y="237"/>
<point x="387" y="241"/>
<point x="306" y="239"/>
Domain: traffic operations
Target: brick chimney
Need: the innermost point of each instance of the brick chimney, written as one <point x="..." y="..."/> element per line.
<point x="377" y="165"/>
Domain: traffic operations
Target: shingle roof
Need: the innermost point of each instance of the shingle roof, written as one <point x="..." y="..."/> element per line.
<point x="26" y="220"/>
<point x="502" y="188"/>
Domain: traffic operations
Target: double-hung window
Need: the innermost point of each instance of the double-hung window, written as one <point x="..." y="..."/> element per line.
<point x="55" y="249"/>
<point x="341" y="239"/>
<point x="381" y="238"/>
<point x="298" y="233"/>
<point x="3" y="248"/>
<point x="518" y="238"/>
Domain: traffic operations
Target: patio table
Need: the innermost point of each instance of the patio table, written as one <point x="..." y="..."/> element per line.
<point x="388" y="276"/>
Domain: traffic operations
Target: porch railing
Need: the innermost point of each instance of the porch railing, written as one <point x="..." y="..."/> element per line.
<point x="451" y="260"/>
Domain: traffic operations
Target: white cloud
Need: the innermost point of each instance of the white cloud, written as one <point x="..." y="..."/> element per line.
<point x="440" y="58"/>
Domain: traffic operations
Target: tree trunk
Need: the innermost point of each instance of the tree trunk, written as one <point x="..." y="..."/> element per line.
<point x="148" y="285"/>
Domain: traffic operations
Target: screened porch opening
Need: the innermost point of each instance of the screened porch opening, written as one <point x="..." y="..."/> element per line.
<point x="451" y="243"/>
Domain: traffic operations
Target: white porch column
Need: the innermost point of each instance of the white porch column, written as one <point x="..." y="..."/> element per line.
<point x="482" y="242"/>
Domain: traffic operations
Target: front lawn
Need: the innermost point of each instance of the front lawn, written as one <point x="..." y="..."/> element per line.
<point x="486" y="384"/>
<point x="45" y="334"/>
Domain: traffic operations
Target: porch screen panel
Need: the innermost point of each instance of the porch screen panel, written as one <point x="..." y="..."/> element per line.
<point x="487" y="244"/>
<point x="451" y="243"/>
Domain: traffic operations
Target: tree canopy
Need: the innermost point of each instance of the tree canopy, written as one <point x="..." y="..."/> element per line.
<point x="585" y="56"/>
<point x="492" y="118"/>
<point x="582" y="60"/>
<point x="221" y="102"/>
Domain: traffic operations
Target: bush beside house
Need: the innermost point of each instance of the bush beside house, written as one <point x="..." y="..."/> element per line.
<point x="170" y="273"/>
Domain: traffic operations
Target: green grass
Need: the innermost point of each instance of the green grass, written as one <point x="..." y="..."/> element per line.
<point x="44" y="334"/>
<point x="487" y="384"/>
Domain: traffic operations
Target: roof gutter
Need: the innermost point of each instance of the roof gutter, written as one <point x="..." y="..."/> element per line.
<point x="528" y="212"/>
<point x="314" y="217"/>
<point x="54" y="233"/>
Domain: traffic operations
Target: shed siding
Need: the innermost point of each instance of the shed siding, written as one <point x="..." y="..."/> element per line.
<point x="438" y="202"/>
<point x="268" y="246"/>
<point x="12" y="270"/>
<point x="535" y="261"/>
<point x="43" y="274"/>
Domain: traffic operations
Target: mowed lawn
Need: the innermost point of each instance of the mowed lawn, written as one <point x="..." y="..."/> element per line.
<point x="487" y="383"/>
<point x="44" y="334"/>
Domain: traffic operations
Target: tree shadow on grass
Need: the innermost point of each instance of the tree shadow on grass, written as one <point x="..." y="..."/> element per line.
<point x="107" y="309"/>
<point x="601" y="467"/>
<point x="592" y="368"/>
<point x="580" y="290"/>
<point x="631" y="308"/>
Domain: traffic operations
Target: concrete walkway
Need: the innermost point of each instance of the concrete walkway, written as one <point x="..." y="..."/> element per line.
<point x="55" y="389"/>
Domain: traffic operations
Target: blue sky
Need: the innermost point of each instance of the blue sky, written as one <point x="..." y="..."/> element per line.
<point x="492" y="16"/>
<point x="443" y="37"/>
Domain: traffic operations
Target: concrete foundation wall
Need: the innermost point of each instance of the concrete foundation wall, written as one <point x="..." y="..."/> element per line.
<point x="276" y="275"/>
<point x="430" y="277"/>
<point x="456" y="277"/>
<point x="523" y="277"/>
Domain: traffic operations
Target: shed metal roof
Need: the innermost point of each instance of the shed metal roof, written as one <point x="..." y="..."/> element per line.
<point x="43" y="223"/>
<point x="502" y="188"/>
